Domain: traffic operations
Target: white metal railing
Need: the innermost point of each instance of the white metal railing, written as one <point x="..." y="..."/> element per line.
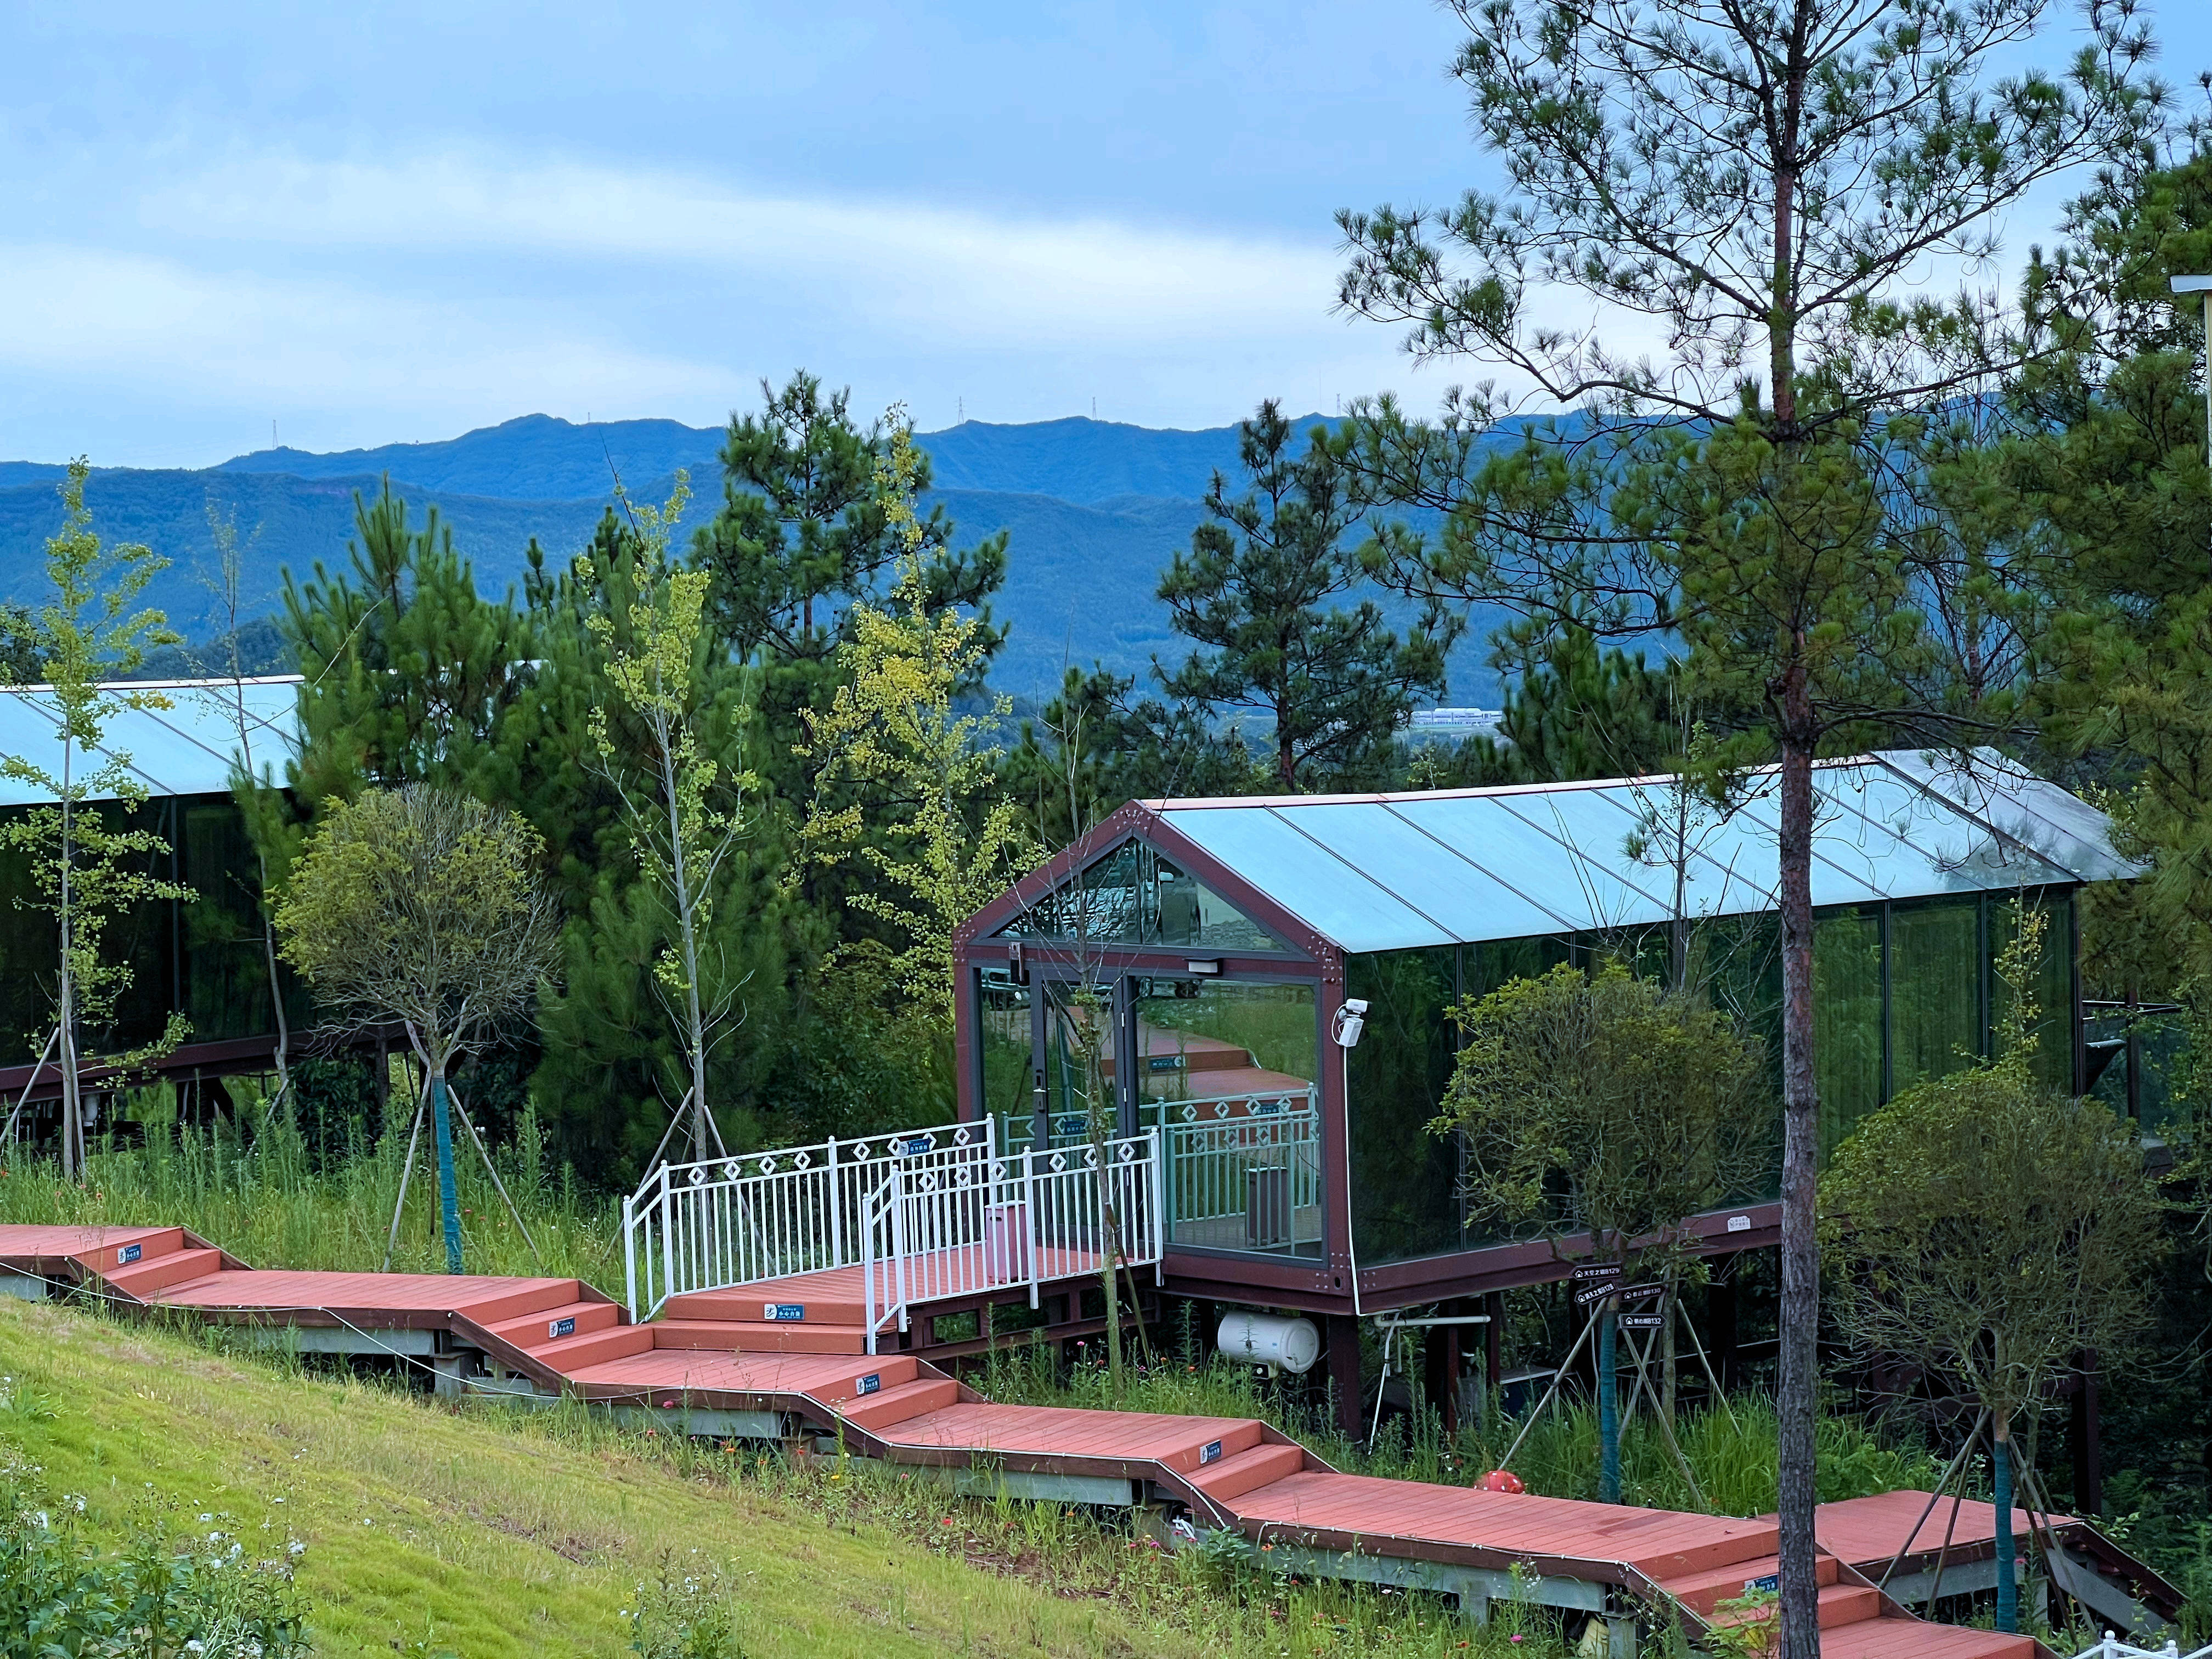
<point x="2114" y="1648"/>
<point x="726" y="1221"/>
<point x="926" y="1215"/>
<point x="1243" y="1171"/>
<point x="1029" y="1218"/>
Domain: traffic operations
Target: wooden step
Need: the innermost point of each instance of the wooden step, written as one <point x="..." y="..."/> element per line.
<point x="1744" y="1542"/>
<point x="535" y="1330"/>
<point x="106" y="1259"/>
<point x="887" y="1372"/>
<point x="749" y="1305"/>
<point x="1233" y="1436"/>
<point x="1840" y="1604"/>
<point x="901" y="1402"/>
<point x="574" y="1353"/>
<point x="1914" y="1639"/>
<point x="733" y="1336"/>
<point x="500" y="1307"/>
<point x="1700" y="1592"/>
<point x="1236" y="1474"/>
<point x="147" y="1279"/>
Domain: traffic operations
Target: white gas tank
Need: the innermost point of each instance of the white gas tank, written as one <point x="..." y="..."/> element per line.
<point x="1270" y="1340"/>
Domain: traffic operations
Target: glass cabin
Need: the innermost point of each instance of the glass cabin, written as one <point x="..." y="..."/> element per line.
<point x="1184" y="968"/>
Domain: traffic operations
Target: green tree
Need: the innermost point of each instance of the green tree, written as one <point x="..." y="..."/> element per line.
<point x="1601" y="1105"/>
<point x="685" y="808"/>
<point x="802" y="538"/>
<point x="87" y="864"/>
<point x="409" y="673"/>
<point x="1992" y="1229"/>
<point x="906" y="783"/>
<point x="1334" y="684"/>
<point x="422" y="907"/>
<point x="1760" y="183"/>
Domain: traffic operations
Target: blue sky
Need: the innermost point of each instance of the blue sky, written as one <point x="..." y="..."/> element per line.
<point x="386" y="222"/>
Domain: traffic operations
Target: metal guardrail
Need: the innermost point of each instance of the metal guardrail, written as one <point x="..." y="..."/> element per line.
<point x="724" y="1221"/>
<point x="2114" y="1648"/>
<point x="926" y="1214"/>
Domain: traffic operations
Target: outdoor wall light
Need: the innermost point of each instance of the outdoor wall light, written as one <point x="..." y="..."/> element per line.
<point x="1202" y="967"/>
<point x="1350" y="1021"/>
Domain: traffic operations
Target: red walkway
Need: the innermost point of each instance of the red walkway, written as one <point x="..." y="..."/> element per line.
<point x="715" y="1351"/>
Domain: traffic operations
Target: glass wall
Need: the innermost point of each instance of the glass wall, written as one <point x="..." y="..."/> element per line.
<point x="1405" y="1180"/>
<point x="1133" y="897"/>
<point x="1227" y="1070"/>
<point x="1846" y="1019"/>
<point x="1936" y="967"/>
<point x="2050" y="983"/>
<point x="1900" y="994"/>
<point x="1003" y="1061"/>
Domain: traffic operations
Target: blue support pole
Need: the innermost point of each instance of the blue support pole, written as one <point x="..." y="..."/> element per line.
<point x="2008" y="1578"/>
<point x="449" y="1203"/>
<point x="1608" y="1412"/>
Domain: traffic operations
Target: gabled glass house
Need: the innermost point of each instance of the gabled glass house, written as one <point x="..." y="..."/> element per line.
<point x="1186" y="965"/>
<point x="202" y="957"/>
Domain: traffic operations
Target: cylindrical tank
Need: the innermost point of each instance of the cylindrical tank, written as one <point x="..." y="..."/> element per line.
<point x="1271" y="1339"/>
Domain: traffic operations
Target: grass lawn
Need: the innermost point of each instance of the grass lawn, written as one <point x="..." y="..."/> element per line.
<point x="429" y="1530"/>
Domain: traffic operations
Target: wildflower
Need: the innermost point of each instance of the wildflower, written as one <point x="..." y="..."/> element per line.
<point x="295" y="1548"/>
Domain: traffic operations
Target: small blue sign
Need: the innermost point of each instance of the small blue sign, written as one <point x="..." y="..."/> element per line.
<point x="870" y="1383"/>
<point x="129" y="1253"/>
<point x="1209" y="1453"/>
<point x="557" y="1327"/>
<point x="1771" y="1585"/>
<point x="773" y="1311"/>
<point x="915" y="1145"/>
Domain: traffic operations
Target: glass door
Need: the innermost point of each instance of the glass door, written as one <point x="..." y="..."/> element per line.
<point x="1078" y="1059"/>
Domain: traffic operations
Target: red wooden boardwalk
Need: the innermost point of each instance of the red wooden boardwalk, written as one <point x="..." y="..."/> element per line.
<point x="715" y="1351"/>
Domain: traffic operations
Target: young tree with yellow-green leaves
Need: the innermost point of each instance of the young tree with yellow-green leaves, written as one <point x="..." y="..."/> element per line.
<point x="89" y="632"/>
<point x="930" y="821"/>
<point x="685" y="807"/>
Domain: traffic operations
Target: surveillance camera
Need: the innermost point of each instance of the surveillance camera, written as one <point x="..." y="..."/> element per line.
<point x="1350" y="1021"/>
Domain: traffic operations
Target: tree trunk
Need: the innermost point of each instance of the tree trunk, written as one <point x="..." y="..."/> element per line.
<point x="65" y="1001"/>
<point x="449" y="1202"/>
<point x="2008" y="1577"/>
<point x="687" y="920"/>
<point x="1669" y="1370"/>
<point x="1801" y="1259"/>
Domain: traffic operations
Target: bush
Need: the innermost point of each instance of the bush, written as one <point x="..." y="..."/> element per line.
<point x="172" y="1590"/>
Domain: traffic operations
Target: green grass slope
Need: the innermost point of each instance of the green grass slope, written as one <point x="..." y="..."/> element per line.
<point x="431" y="1530"/>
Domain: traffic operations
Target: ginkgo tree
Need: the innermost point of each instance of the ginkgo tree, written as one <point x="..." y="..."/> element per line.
<point x="684" y="806"/>
<point x="924" y="810"/>
<point x="88" y="866"/>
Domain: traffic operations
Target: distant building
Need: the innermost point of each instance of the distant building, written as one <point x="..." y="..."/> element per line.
<point x="1453" y="725"/>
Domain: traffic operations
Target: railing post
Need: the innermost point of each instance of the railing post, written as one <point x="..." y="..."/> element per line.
<point x="1158" y="1206"/>
<point x="868" y="1264"/>
<point x="629" y="1260"/>
<point x="836" y="1209"/>
<point x="667" y="1238"/>
<point x="897" y="1184"/>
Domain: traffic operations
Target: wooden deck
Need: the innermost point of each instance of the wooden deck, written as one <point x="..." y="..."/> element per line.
<point x="715" y="1351"/>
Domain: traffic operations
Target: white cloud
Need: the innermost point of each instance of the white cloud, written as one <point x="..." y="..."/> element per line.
<point x="967" y="277"/>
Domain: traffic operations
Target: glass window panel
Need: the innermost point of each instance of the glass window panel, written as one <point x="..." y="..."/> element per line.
<point x="1002" y="1053"/>
<point x="1460" y="894"/>
<point x="1846" y="1020"/>
<point x="1934" y="991"/>
<point x="1226" y="1070"/>
<point x="1135" y="897"/>
<point x="1405" y="1180"/>
<point x="2051" y="985"/>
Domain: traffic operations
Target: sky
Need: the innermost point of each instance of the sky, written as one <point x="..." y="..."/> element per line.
<point x="394" y="222"/>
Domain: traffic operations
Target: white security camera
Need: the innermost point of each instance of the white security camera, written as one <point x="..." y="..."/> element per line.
<point x="1350" y="1021"/>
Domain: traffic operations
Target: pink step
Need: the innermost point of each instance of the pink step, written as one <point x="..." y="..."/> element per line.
<point x="106" y="1259"/>
<point x="890" y="1371"/>
<point x="1700" y="1592"/>
<point x="749" y="1305"/>
<point x="730" y="1336"/>
<point x="147" y="1279"/>
<point x="1236" y="1473"/>
<point x="897" y="1404"/>
<point x="499" y="1307"/>
<point x="1234" y="1437"/>
<point x="572" y="1353"/>
<point x="1840" y="1604"/>
<point x="536" y="1330"/>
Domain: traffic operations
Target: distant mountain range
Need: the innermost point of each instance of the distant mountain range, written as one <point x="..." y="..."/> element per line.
<point x="1094" y="510"/>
